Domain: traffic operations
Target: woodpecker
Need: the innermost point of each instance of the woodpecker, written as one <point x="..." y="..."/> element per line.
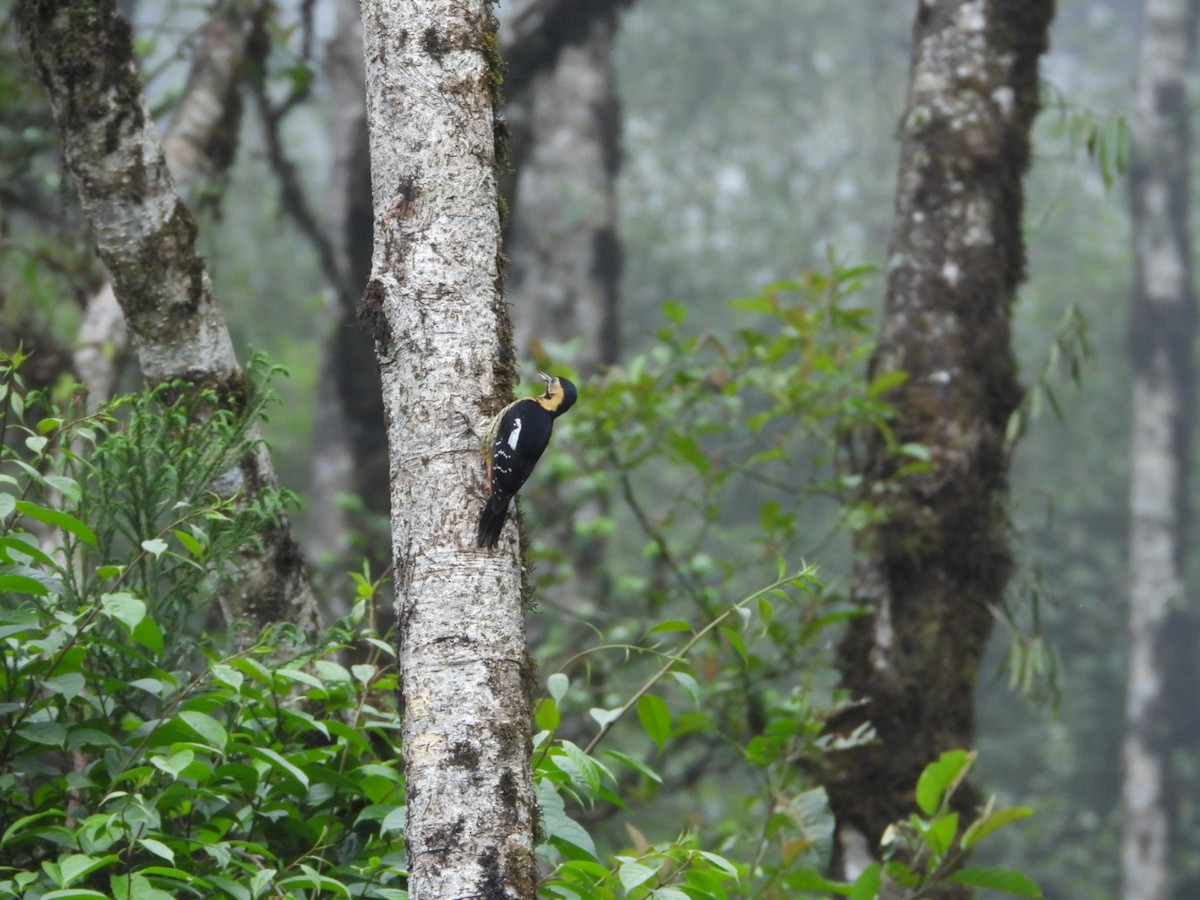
<point x="513" y="444"/>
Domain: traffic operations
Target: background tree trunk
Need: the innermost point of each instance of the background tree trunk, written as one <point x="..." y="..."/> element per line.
<point x="930" y="572"/>
<point x="1162" y="332"/>
<point x="564" y="269"/>
<point x="350" y="446"/>
<point x="564" y="254"/>
<point x="199" y="141"/>
<point x="145" y="235"/>
<point x="445" y="358"/>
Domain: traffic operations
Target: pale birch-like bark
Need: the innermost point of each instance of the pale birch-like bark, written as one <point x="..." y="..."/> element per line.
<point x="445" y="359"/>
<point x="1162" y="334"/>
<point x="145" y="235"/>
<point x="197" y="142"/>
<point x="931" y="571"/>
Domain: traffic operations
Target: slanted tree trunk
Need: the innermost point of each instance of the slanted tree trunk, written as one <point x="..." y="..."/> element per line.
<point x="446" y="362"/>
<point x="1162" y="333"/>
<point x="198" y="142"/>
<point x="146" y="236"/>
<point x="931" y="571"/>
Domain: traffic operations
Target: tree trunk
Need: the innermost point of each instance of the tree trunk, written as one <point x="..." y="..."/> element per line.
<point x="565" y="261"/>
<point x="198" y="142"/>
<point x="564" y="254"/>
<point x="445" y="357"/>
<point x="533" y="32"/>
<point x="145" y="235"/>
<point x="1162" y="332"/>
<point x="930" y="572"/>
<point x="350" y="446"/>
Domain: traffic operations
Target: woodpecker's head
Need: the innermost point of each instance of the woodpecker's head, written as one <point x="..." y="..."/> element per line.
<point x="560" y="394"/>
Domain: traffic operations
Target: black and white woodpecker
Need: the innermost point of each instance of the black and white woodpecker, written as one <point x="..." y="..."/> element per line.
<point x="513" y="444"/>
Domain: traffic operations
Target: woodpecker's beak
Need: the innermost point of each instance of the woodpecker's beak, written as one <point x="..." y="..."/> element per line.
<point x="549" y="379"/>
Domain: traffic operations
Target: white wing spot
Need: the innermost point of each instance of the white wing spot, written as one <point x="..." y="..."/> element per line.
<point x="515" y="434"/>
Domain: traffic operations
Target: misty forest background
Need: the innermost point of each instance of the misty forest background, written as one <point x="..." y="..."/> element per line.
<point x="757" y="144"/>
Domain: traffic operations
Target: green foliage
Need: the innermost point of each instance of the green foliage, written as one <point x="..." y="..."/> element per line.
<point x="745" y="426"/>
<point x="1106" y="138"/>
<point x="138" y="759"/>
<point x="718" y="459"/>
<point x="929" y="846"/>
<point x="142" y="759"/>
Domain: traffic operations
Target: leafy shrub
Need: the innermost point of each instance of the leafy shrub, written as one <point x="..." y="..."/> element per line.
<point x="138" y="759"/>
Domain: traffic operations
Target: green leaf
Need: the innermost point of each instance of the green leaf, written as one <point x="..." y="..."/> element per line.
<point x="278" y="762"/>
<point x="758" y="304"/>
<point x="229" y="886"/>
<point x="74" y="894"/>
<point x="556" y="824"/>
<point x="189" y="543"/>
<point x="296" y="675"/>
<point x="149" y="635"/>
<point x="331" y="671"/>
<point x="739" y="645"/>
<point x="7" y="504"/>
<point x="546" y="715"/>
<point x="158" y="848"/>
<point x="721" y="863"/>
<point x="940" y="834"/>
<point x="155" y="547"/>
<point x="22" y="584"/>
<point x="675" y="311"/>
<point x="58" y="519"/>
<point x="866" y="886"/>
<point x="604" y="717"/>
<point x="655" y="716"/>
<point x="885" y="381"/>
<point x="557" y="685"/>
<point x="175" y="763"/>
<point x="212" y="731"/>
<point x="671" y="625"/>
<point x="938" y="776"/>
<point x="589" y="771"/>
<point x="68" y="685"/>
<point x="997" y="878"/>
<point x="393" y="822"/>
<point x="52" y="734"/>
<point x="810" y="880"/>
<point x="985" y="825"/>
<point x="689" y="684"/>
<point x="75" y="866"/>
<point x="689" y="450"/>
<point x="314" y="881"/>
<point x="138" y="887"/>
<point x="227" y="675"/>
<point x="14" y="830"/>
<point x="635" y="764"/>
<point x="633" y="874"/>
<point x="124" y="607"/>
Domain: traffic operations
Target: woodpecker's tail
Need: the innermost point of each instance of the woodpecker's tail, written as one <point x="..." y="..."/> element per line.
<point x="491" y="520"/>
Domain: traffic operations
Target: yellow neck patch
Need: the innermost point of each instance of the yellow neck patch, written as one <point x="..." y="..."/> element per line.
<point x="553" y="397"/>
